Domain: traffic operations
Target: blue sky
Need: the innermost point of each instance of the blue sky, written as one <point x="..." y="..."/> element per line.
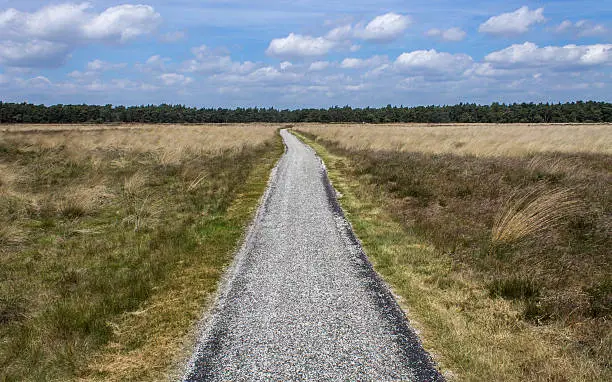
<point x="313" y="53"/>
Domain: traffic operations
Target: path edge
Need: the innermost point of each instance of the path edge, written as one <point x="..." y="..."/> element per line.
<point x="210" y="314"/>
<point x="428" y="369"/>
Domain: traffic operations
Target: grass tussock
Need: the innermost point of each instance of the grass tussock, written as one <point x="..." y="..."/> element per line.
<point x="527" y="214"/>
<point x="109" y="252"/>
<point x="502" y="260"/>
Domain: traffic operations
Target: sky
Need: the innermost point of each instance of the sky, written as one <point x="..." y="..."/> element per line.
<point x="305" y="53"/>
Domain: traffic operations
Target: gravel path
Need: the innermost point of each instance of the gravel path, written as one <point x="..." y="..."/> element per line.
<point x="301" y="301"/>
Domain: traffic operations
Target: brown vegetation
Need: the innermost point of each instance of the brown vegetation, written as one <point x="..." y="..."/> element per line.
<point x="500" y="249"/>
<point x="112" y="241"/>
<point x="475" y="139"/>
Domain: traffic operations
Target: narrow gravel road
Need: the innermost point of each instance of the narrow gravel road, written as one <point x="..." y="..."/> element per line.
<point x="301" y="301"/>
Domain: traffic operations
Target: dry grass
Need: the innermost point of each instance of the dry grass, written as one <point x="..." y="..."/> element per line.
<point x="527" y="214"/>
<point x="477" y="139"/>
<point x="167" y="142"/>
<point x="504" y="270"/>
<point x="112" y="240"/>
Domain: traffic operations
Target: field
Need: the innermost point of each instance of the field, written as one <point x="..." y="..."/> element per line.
<point x="113" y="238"/>
<point x="496" y="238"/>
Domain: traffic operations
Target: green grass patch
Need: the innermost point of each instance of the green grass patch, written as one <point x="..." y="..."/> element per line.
<point x="108" y="257"/>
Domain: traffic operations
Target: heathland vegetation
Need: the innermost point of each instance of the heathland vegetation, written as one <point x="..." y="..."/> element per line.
<point x="573" y="112"/>
<point x="496" y="237"/>
<point x="112" y="241"/>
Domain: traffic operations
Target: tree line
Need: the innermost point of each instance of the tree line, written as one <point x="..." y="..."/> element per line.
<point x="495" y="113"/>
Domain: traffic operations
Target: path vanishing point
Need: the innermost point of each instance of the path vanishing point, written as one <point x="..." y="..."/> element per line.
<point x="301" y="300"/>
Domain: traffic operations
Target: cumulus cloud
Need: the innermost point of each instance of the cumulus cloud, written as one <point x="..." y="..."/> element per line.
<point x="34" y="54"/>
<point x="360" y="63"/>
<point x="451" y="34"/>
<point x="171" y="37"/>
<point x="318" y="66"/>
<point x="38" y="82"/>
<point x="70" y="22"/>
<point x="340" y="33"/>
<point x="384" y="28"/>
<point x="285" y="65"/>
<point x="155" y="63"/>
<point x="102" y="66"/>
<point x="171" y="79"/>
<point x="50" y="33"/>
<point x="215" y="61"/>
<point x="530" y="55"/>
<point x="432" y="62"/>
<point x="123" y="22"/>
<point x="295" y="45"/>
<point x="264" y="75"/>
<point x="582" y="28"/>
<point x="513" y="23"/>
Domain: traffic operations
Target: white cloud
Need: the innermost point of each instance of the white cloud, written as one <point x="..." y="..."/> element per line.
<point x="102" y="66"/>
<point x="155" y="63"/>
<point x="46" y="36"/>
<point x="487" y="69"/>
<point x="72" y="22"/>
<point x="157" y="60"/>
<point x="513" y="23"/>
<point x="318" y="66"/>
<point x="35" y="53"/>
<point x="55" y="22"/>
<point x="355" y="88"/>
<point x="582" y="28"/>
<point x="123" y="22"/>
<point x="431" y="61"/>
<point x="171" y="37"/>
<point x="38" y="82"/>
<point x="530" y="55"/>
<point x="285" y="65"/>
<point x="384" y="28"/>
<point x="263" y="75"/>
<point x="341" y="33"/>
<point x="360" y="63"/>
<point x="171" y="79"/>
<point x="451" y="34"/>
<point x="296" y="45"/>
<point x="215" y="61"/>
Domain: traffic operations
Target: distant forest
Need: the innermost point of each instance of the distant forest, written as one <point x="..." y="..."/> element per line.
<point x="494" y="113"/>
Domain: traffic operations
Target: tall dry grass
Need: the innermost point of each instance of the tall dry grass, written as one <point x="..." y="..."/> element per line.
<point x="113" y="238"/>
<point x="528" y="213"/>
<point x="498" y="236"/>
<point x="168" y="142"/>
<point x="477" y="139"/>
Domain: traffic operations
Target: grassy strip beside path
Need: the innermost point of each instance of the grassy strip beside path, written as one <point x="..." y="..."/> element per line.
<point x="110" y="255"/>
<point x="473" y="335"/>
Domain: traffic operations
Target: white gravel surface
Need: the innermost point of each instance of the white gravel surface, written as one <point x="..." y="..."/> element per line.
<point x="301" y="301"/>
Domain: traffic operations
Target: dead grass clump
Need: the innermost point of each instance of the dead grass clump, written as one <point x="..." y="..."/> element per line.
<point x="526" y="214"/>
<point x="170" y="157"/>
<point x="11" y="236"/>
<point x="551" y="165"/>
<point x="83" y="200"/>
<point x="135" y="184"/>
<point x="144" y="212"/>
